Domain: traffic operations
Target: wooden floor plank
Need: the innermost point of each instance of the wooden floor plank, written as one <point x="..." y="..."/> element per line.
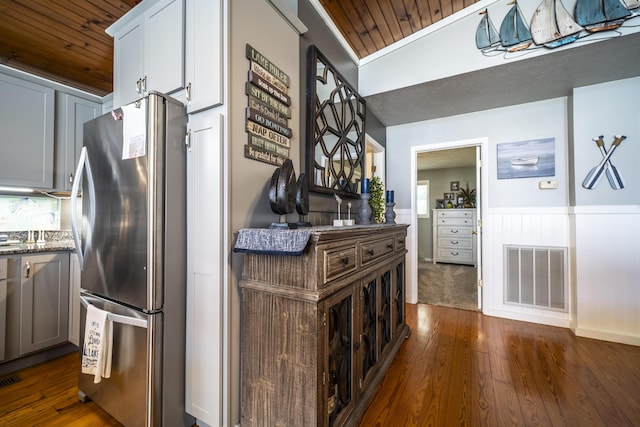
<point x="456" y="368"/>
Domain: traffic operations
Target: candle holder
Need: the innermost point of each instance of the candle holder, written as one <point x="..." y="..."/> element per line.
<point x="365" y="209"/>
<point x="390" y="215"/>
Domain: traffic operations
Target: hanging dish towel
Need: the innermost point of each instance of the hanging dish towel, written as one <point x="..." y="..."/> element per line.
<point x="98" y="343"/>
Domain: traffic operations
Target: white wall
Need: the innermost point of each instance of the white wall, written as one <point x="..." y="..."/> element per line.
<point x="518" y="123"/>
<point x="605" y="221"/>
<point x="451" y="49"/>
<point x="600" y="231"/>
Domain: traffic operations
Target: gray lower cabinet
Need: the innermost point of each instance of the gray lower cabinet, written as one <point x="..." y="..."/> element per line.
<point x="27" y="139"/>
<point x="3" y="306"/>
<point x="37" y="306"/>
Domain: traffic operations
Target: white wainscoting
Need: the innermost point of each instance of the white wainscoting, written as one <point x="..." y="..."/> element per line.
<point x="607" y="269"/>
<point x="548" y="227"/>
<point x="403" y="216"/>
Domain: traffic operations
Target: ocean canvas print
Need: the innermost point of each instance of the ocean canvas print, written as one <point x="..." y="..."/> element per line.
<point x="527" y="159"/>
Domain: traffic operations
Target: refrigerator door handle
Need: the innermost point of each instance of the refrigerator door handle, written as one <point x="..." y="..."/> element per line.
<point x="118" y="318"/>
<point x="83" y="164"/>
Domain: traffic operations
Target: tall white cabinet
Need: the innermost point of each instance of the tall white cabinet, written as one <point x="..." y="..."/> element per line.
<point x="148" y="50"/>
<point x="454" y="236"/>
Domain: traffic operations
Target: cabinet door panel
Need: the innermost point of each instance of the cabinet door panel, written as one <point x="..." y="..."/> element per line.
<point x="164" y="49"/>
<point x="44" y="295"/>
<point x="339" y="310"/>
<point x="203" y="56"/>
<point x="128" y="61"/>
<point x="27" y="123"/>
<point x="384" y="311"/>
<point x="368" y="350"/>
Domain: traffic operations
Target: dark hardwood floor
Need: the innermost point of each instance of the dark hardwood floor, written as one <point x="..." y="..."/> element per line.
<point x="458" y="368"/>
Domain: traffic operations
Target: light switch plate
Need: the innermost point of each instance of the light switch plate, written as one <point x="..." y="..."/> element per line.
<point x="548" y="185"/>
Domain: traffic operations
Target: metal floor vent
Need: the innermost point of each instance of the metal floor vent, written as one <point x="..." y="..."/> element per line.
<point x="536" y="276"/>
<point x="8" y="380"/>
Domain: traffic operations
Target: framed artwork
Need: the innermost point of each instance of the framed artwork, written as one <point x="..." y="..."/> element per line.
<point x="527" y="159"/>
<point x="449" y="196"/>
<point x="455" y="185"/>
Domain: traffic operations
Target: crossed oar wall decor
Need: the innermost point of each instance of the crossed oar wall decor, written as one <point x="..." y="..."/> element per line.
<point x="613" y="174"/>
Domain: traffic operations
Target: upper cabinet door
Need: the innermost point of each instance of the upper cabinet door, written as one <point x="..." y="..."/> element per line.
<point x="27" y="133"/>
<point x="72" y="113"/>
<point x="203" y="57"/>
<point x="128" y="64"/>
<point x="164" y="49"/>
<point x="148" y="50"/>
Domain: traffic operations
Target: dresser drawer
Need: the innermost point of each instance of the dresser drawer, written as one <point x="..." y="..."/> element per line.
<point x="446" y="231"/>
<point x="370" y="251"/>
<point x="400" y="242"/>
<point x="455" y="255"/>
<point x="455" y="213"/>
<point x="455" y="243"/>
<point x="338" y="262"/>
<point x="455" y="221"/>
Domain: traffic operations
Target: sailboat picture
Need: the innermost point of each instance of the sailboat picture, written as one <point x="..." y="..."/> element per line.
<point x="601" y="15"/>
<point x="552" y="26"/>
<point x="486" y="35"/>
<point x="514" y="34"/>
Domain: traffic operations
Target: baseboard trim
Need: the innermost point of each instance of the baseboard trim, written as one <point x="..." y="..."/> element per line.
<point x="607" y="336"/>
<point x="526" y="317"/>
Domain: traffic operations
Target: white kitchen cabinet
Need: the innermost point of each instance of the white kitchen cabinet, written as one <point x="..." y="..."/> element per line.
<point x="205" y="264"/>
<point x="203" y="57"/>
<point x="72" y="113"/>
<point x="44" y="301"/>
<point x="74" y="299"/>
<point x="148" y="50"/>
<point x="27" y="136"/>
<point x="454" y="236"/>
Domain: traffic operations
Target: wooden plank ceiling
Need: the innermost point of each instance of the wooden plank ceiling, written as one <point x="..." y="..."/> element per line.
<point x="370" y="25"/>
<point x="64" y="40"/>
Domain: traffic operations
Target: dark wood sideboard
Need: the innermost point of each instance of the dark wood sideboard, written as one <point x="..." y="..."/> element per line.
<point x="319" y="330"/>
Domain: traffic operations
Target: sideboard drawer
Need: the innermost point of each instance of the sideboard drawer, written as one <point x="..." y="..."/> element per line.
<point x="370" y="251"/>
<point x="400" y="241"/>
<point x="338" y="262"/>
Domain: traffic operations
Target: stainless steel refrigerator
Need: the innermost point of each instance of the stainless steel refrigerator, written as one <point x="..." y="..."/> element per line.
<point x="131" y="242"/>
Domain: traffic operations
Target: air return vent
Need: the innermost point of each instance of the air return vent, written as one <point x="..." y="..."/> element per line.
<point x="536" y="276"/>
<point x="9" y="380"/>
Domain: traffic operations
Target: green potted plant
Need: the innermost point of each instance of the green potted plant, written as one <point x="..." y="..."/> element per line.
<point x="468" y="197"/>
<point x="376" y="200"/>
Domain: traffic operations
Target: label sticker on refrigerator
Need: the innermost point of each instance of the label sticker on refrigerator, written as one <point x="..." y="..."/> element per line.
<point x="134" y="129"/>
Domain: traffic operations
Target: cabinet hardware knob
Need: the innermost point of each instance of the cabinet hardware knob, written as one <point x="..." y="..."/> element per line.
<point x="70" y="178"/>
<point x="370" y="252"/>
<point x="28" y="267"/>
<point x="390" y="246"/>
<point x="454" y="242"/>
<point x="474" y="232"/>
<point x="187" y="140"/>
<point x="139" y="87"/>
<point x="345" y="260"/>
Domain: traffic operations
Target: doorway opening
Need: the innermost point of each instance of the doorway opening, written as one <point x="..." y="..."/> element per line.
<point x="446" y="238"/>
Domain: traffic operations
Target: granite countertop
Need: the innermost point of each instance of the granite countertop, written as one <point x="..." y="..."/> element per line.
<point x="27" y="248"/>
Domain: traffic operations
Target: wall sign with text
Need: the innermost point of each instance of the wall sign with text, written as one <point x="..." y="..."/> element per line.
<point x="268" y="111"/>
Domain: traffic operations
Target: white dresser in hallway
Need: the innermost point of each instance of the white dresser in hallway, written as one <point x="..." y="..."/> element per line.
<point x="454" y="236"/>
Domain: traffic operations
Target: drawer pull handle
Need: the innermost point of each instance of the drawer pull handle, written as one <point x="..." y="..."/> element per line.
<point x="390" y="246"/>
<point x="454" y="231"/>
<point x="345" y="260"/>
<point x="401" y="241"/>
<point x="454" y="253"/>
<point x="370" y="252"/>
<point x="454" y="242"/>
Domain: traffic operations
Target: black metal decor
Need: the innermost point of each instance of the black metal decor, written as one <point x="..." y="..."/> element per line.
<point x="335" y="129"/>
